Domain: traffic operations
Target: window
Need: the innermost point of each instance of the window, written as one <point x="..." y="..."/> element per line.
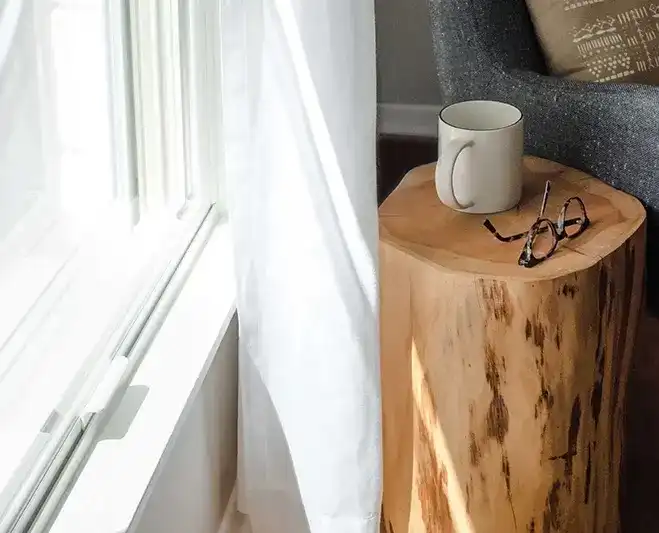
<point x="108" y="168"/>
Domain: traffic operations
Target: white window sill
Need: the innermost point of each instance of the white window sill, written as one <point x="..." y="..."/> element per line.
<point x="121" y="467"/>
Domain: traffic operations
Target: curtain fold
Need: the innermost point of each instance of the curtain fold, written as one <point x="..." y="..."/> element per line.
<point x="299" y="119"/>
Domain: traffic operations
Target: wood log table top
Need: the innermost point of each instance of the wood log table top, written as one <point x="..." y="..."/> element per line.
<point x="413" y="219"/>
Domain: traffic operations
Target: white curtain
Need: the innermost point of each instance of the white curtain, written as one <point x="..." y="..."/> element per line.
<point x="299" y="133"/>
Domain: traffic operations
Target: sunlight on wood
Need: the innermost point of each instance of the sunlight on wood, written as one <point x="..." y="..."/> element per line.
<point x="449" y="487"/>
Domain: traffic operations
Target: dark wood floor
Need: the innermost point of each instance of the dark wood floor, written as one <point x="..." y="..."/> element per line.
<point x="640" y="485"/>
<point x="397" y="155"/>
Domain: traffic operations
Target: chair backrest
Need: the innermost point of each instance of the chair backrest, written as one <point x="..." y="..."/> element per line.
<point x="473" y="38"/>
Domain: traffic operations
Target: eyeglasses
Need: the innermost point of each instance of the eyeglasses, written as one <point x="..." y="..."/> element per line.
<point x="533" y="253"/>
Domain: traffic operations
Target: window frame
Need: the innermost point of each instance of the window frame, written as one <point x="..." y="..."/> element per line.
<point x="161" y="155"/>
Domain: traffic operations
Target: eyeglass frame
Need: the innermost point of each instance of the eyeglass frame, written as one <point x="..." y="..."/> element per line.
<point x="557" y="229"/>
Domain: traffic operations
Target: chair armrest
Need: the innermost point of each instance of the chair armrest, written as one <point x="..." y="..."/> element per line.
<point x="610" y="130"/>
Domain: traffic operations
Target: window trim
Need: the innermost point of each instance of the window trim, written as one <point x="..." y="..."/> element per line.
<point x="44" y="469"/>
<point x="122" y="109"/>
<point x="123" y="472"/>
<point x="129" y="355"/>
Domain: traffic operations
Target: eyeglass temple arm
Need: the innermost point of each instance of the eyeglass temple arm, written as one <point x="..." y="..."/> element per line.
<point x="517" y="236"/>
<point x="545" y="199"/>
<point x="500" y="237"/>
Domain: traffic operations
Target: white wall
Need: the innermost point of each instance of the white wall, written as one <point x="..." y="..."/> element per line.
<point x="192" y="486"/>
<point x="406" y="68"/>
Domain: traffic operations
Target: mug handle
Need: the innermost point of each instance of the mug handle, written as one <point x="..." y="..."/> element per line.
<point x="444" y="173"/>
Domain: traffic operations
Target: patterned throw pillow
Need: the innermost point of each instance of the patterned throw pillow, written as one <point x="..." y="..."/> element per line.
<point x="599" y="40"/>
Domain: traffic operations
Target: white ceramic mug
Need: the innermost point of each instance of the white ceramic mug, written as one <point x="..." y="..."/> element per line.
<point x="480" y="167"/>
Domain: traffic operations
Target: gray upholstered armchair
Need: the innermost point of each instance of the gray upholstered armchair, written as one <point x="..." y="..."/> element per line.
<point x="487" y="49"/>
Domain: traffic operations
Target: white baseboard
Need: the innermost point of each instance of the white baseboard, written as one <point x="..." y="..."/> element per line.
<point x="229" y="522"/>
<point x="408" y="119"/>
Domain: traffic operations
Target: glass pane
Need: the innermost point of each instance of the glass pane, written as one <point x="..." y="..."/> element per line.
<point x="78" y="55"/>
<point x="56" y="191"/>
<point x="55" y="142"/>
<point x="23" y="167"/>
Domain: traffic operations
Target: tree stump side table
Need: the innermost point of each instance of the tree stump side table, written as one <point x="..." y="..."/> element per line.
<point x="504" y="387"/>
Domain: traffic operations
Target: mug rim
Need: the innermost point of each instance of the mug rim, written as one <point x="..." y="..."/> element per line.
<point x="446" y="107"/>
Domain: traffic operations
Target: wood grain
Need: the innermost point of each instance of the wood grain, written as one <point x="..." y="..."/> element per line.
<point x="414" y="219"/>
<point x="504" y="387"/>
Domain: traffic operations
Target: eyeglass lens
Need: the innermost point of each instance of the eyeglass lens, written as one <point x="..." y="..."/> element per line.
<point x="575" y="218"/>
<point x="543" y="239"/>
